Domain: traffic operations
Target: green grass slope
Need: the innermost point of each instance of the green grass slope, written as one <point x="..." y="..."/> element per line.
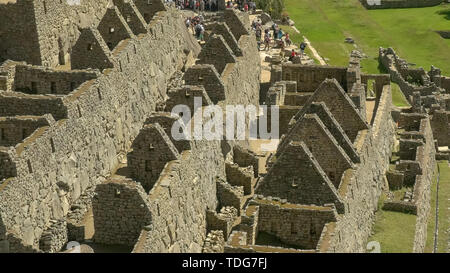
<point x="411" y="32"/>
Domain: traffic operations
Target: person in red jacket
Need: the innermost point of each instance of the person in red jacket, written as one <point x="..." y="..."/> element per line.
<point x="293" y="54"/>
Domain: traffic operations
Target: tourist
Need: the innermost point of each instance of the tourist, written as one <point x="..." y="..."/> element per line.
<point x="293" y="54"/>
<point x="282" y="47"/>
<point x="303" y="47"/>
<point x="258" y="33"/>
<point x="288" y="40"/>
<point x="202" y="5"/>
<point x="267" y="42"/>
<point x="280" y="34"/>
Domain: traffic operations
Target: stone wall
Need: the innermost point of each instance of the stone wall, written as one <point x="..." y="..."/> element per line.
<point x="214" y="242"/>
<point x="422" y="189"/>
<point x="297" y="177"/>
<point x="180" y="199"/>
<point x="8" y="166"/>
<point x="229" y="196"/>
<point x="361" y="186"/>
<point x="399" y="4"/>
<point x="440" y="132"/>
<point x="19" y="34"/>
<point x="152" y="150"/>
<point x="52" y="27"/>
<point x="35" y="80"/>
<point x="121" y="210"/>
<point x="54" y="237"/>
<point x="245" y="158"/>
<point x="14" y="130"/>
<point x="309" y="77"/>
<point x="293" y="224"/>
<point x="15" y="104"/>
<point x="114" y="28"/>
<point x="240" y="177"/>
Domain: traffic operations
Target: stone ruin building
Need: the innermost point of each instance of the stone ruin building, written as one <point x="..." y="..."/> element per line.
<point x="427" y="92"/>
<point x="87" y="153"/>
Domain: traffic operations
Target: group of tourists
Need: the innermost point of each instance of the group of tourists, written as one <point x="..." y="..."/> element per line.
<point x="276" y="34"/>
<point x="212" y="5"/>
<point x="197" y="5"/>
<point x="243" y="5"/>
<point x="196" y="25"/>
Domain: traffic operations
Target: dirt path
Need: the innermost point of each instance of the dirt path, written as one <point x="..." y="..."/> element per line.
<point x="313" y="50"/>
<point x="370" y="110"/>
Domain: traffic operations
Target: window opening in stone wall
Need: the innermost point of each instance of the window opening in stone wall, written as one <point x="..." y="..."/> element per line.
<point x="110" y="45"/>
<point x="34" y="87"/>
<point x="99" y="94"/>
<point x="52" y="144"/>
<point x="53" y="87"/>
<point x="293" y="230"/>
<point x="24" y="133"/>
<point x="79" y="111"/>
<point x="45" y="7"/>
<point x="2" y="134"/>
<point x="72" y="86"/>
<point x="30" y="170"/>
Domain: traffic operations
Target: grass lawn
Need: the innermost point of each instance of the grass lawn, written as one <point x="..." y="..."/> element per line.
<point x="410" y="32"/>
<point x="394" y="231"/>
<point x="444" y="211"/>
<point x="297" y="38"/>
<point x="398" y="98"/>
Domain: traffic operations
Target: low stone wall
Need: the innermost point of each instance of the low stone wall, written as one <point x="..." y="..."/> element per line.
<point x="214" y="242"/>
<point x="293" y="224"/>
<point x="245" y="158"/>
<point x="54" y="237"/>
<point x="397" y="4"/>
<point x="309" y="77"/>
<point x="400" y="206"/>
<point x="238" y="176"/>
<point x="16" y="104"/>
<point x="36" y="80"/>
<point x="222" y="220"/>
<point x="228" y="195"/>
